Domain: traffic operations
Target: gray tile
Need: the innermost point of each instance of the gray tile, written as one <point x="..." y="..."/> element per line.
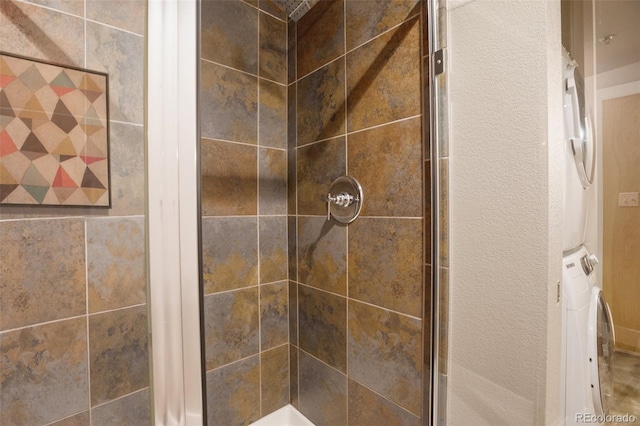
<point x="120" y="54"/>
<point x="272" y="181"/>
<point x="275" y="379"/>
<point x="119" y="356"/>
<point x="273" y="114"/>
<point x="273" y="48"/>
<point x="293" y="313"/>
<point x="131" y="410"/>
<point x="367" y="19"/>
<point x="74" y="7"/>
<point x="293" y="374"/>
<point x="233" y="393"/>
<point x="42" y="271"/>
<point x="124" y="14"/>
<point x="81" y="419"/>
<point x="116" y="263"/>
<point x="229" y="253"/>
<point x="273" y="249"/>
<point x="368" y="408"/>
<point x="231" y="326"/>
<point x="323" y="392"/>
<point x="44" y="373"/>
<point x="274" y="315"/>
<point x="128" y="188"/>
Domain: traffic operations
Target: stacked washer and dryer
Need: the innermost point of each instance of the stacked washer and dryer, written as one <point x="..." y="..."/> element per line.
<point x="588" y="340"/>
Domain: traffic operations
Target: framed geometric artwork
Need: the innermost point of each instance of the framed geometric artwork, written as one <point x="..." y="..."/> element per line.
<point x="54" y="134"/>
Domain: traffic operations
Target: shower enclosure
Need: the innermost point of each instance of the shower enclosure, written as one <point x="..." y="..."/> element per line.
<point x="254" y="299"/>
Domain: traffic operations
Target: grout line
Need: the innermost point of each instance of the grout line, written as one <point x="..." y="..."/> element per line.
<point x="387" y="399"/>
<point x="62" y="12"/>
<point x="117" y="309"/>
<point x="242" y="71"/>
<point x="24" y="327"/>
<point x="121" y="397"/>
<point x="68" y="417"/>
<point x="114" y="27"/>
<point x="126" y="122"/>
<point x="79" y="217"/>
<point x="234" y="362"/>
<point x="319" y="68"/>
<point x="304" y="145"/>
<point x="255" y="145"/>
<point x="265" y="12"/>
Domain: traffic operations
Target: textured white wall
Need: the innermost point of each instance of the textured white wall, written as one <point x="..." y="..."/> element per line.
<point x="506" y="172"/>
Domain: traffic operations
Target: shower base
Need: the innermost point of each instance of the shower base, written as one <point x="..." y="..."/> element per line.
<point x="286" y="416"/>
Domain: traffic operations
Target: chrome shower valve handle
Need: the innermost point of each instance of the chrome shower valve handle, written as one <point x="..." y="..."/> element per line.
<point x="347" y="201"/>
<point x="343" y="199"/>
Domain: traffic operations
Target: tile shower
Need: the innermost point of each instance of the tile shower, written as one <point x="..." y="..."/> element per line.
<point x="332" y="319"/>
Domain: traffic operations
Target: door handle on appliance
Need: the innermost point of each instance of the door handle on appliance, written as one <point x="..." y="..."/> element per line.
<point x="578" y="156"/>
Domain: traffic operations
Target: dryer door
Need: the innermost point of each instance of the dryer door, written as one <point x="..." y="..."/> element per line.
<point x="601" y="347"/>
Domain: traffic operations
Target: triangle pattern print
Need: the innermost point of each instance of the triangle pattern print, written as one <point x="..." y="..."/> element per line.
<point x="54" y="134"/>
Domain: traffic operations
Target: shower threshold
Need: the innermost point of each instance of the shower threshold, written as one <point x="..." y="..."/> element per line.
<point x="286" y="416"/>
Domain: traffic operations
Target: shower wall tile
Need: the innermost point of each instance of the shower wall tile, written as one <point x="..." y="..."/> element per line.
<point x="291" y="151"/>
<point x="60" y="36"/>
<point x="273" y="46"/>
<point x="74" y="7"/>
<point x="229" y="253"/>
<point x="229" y="179"/>
<point x="368" y="19"/>
<point x="274" y="366"/>
<point x="115" y="263"/>
<point x="231" y="326"/>
<point x="383" y="78"/>
<point x="322" y="254"/>
<point x="273" y="114"/>
<point x="229" y="33"/>
<point x="320" y="36"/>
<point x="323" y="326"/>
<point x="385" y="354"/>
<point x="274" y="310"/>
<point x="228" y="102"/>
<point x="81" y="419"/>
<point x="385" y="263"/>
<point x="273" y="181"/>
<point x="293" y="313"/>
<point x="272" y="8"/>
<point x="291" y="51"/>
<point x="125" y="14"/>
<point x="293" y="377"/>
<point x="126" y="76"/>
<point x="321" y="103"/>
<point x="368" y="408"/>
<point x="323" y="392"/>
<point x="426" y="106"/>
<point x="42" y="271"/>
<point x="119" y="356"/>
<point x="233" y="393"/>
<point x="318" y="165"/>
<point x="292" y="251"/>
<point x="44" y="372"/>
<point x="132" y="409"/>
<point x="387" y="161"/>
<point x="427" y="212"/>
<point x="273" y="249"/>
<point x="127" y="169"/>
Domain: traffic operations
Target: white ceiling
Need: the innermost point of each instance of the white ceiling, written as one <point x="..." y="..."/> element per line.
<point x="622" y="18"/>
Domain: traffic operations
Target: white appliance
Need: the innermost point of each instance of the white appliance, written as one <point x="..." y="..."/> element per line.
<point x="587" y="328"/>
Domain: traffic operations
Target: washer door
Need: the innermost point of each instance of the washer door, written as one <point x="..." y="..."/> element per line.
<point x="601" y="347"/>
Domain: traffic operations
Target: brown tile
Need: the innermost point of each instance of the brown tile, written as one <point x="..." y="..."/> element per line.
<point x="125" y="14"/>
<point x="229" y="253"/>
<point x="131" y="410"/>
<point x="293" y="313"/>
<point x="128" y="189"/>
<point x="321" y="104"/>
<point x="126" y="73"/>
<point x="291" y="150"/>
<point x="292" y="251"/>
<point x="81" y="419"/>
<point x="323" y="392"/>
<point x="60" y="36"/>
<point x="273" y="115"/>
<point x="428" y="226"/>
<point x="322" y="254"/>
<point x="385" y="354"/>
<point x="274" y="310"/>
<point x="426" y="108"/>
<point x="231" y="326"/>
<point x="229" y="181"/>
<point x="425" y="28"/>
<point x="44" y="373"/>
<point x="318" y="166"/>
<point x="387" y="161"/>
<point x="322" y="322"/>
<point x="320" y="36"/>
<point x="291" y="51"/>
<point x="74" y="7"/>
<point x="115" y="263"/>
<point x="233" y="393"/>
<point x="367" y="19"/>
<point x="275" y="379"/>
<point x="273" y="48"/>
<point x="42" y="271"/>
<point x="273" y="181"/>
<point x="385" y="263"/>
<point x="444" y="211"/>
<point x="272" y="8"/>
<point x="229" y="34"/>
<point x="383" y="78"/>
<point x="368" y="408"/>
<point x="228" y="103"/>
<point x="293" y="374"/>
<point x="273" y="249"/>
<point x="119" y="357"/>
